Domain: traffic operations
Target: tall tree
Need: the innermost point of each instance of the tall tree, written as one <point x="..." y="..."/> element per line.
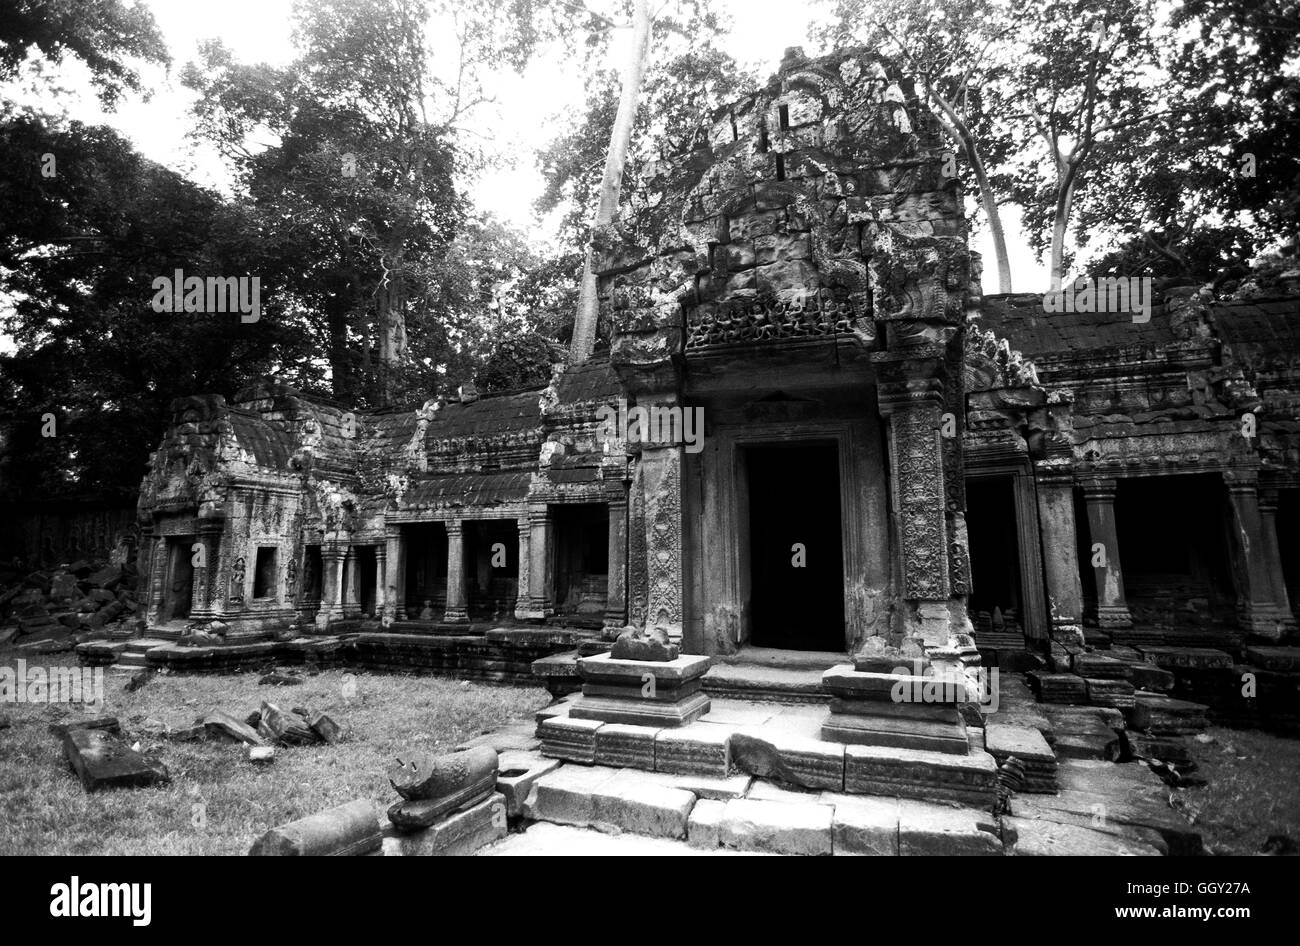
<point x="111" y="37"/>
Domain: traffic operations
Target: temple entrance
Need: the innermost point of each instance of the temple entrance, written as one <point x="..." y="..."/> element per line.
<point x="492" y="566"/>
<point x="426" y="570"/>
<point x="179" y="590"/>
<point x="581" y="559"/>
<point x="796" y="551"/>
<point x="995" y="605"/>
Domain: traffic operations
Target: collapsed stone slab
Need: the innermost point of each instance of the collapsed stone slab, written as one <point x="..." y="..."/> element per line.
<point x="345" y="830"/>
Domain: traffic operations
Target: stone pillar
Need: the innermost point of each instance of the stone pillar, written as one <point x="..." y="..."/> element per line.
<point x="161" y="565"/>
<point x="381" y="584"/>
<point x="457" y="611"/>
<point x="1060" y="553"/>
<point x="1273" y="555"/>
<point x="521" y="595"/>
<point x="331" y="600"/>
<point x="1257" y="613"/>
<point x="541" y="577"/>
<point x="205" y="600"/>
<point x="616" y="603"/>
<point x="350" y="598"/>
<point x="395" y="572"/>
<point x="1112" y="607"/>
<point x="911" y="401"/>
<point x="661" y="481"/>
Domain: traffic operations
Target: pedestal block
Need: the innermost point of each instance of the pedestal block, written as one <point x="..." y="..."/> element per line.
<point x="642" y="692"/>
<point x="900" y="711"/>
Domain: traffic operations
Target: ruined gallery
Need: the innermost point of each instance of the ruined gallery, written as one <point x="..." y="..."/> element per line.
<point x="831" y="451"/>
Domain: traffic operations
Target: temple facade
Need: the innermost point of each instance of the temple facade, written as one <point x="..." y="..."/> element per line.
<point x="809" y="430"/>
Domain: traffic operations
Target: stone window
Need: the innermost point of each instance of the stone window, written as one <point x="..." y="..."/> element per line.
<point x="264" y="584"/>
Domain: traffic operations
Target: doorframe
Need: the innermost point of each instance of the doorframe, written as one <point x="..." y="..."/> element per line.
<point x="726" y="504"/>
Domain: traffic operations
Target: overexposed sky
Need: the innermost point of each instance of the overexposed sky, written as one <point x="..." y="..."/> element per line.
<point x="527" y="113"/>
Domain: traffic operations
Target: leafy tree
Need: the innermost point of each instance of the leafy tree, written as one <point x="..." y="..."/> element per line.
<point x="112" y="38"/>
<point x="79" y="251"/>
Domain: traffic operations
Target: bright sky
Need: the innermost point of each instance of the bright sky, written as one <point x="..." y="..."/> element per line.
<point x="525" y="117"/>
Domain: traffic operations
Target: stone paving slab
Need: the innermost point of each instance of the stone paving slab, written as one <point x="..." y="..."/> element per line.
<point x="926" y="829"/>
<point x="776" y="827"/>
<point x="542" y="840"/>
<point x="1030" y="838"/>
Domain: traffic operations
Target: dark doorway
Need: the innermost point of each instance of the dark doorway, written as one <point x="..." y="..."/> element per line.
<point x="581" y="559"/>
<point x="1176" y="563"/>
<point x="995" y="602"/>
<point x="426" y="570"/>
<point x="179" y="590"/>
<point x="796" y="552"/>
<point x="492" y="561"/>
<point x="368" y="567"/>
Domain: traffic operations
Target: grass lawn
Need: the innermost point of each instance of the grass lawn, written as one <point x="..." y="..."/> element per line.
<point x="1252" y="791"/>
<point x="218" y="802"/>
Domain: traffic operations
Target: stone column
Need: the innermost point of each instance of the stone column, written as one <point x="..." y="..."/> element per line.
<point x="541" y="579"/>
<point x="161" y="565"/>
<point x="911" y="401"/>
<point x="616" y="602"/>
<point x="1060" y="553"/>
<point x="1257" y="613"/>
<point x="457" y="611"/>
<point x="350" y="598"/>
<point x="395" y="571"/>
<point x="1273" y="555"/>
<point x="661" y="482"/>
<point x="331" y="592"/>
<point x="381" y="584"/>
<point x="521" y="595"/>
<point x="1112" y="606"/>
<point x="203" y="596"/>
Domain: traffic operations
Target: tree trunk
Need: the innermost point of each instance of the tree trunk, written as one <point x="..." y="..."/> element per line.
<point x="584" y="325"/>
<point x="959" y="130"/>
<point x="1064" y="203"/>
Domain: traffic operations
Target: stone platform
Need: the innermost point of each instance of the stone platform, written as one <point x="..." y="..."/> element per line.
<point x="776" y="741"/>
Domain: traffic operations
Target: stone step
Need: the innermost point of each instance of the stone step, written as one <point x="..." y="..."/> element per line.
<point x="610" y="800"/>
<point x="761" y="683"/>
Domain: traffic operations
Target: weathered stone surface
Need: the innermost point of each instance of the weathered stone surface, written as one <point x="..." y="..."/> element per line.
<point x="1196" y="658"/>
<point x="844" y="681"/>
<point x="1027" y="745"/>
<point x="864" y="825"/>
<point x="629" y="803"/>
<point x="457" y="834"/>
<point x="103" y="760"/>
<point x="518" y="772"/>
<point x="1284" y="659"/>
<point x="603" y="668"/>
<point x="776" y="827"/>
<point x="567" y="738"/>
<point x="288" y="729"/>
<point x="344" y="830"/>
<point x="794" y="760"/>
<point x="1032" y="838"/>
<point x="567" y="795"/>
<point x="644" y="644"/>
<point x="638" y="712"/>
<point x="703" y="830"/>
<point x="714" y="788"/>
<point x="697" y="749"/>
<point x="947" y="735"/>
<point x="419" y="776"/>
<point x="619" y="745"/>
<point x="928" y="830"/>
<point x="913" y="773"/>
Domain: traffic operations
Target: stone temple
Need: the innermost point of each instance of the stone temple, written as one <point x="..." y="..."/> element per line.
<point x="834" y="443"/>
